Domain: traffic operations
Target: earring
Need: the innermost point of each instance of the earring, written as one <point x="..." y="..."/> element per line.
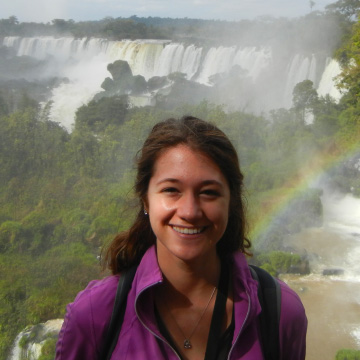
<point x="145" y="212"/>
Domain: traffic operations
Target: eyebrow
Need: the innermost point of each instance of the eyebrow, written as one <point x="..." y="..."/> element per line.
<point x="205" y="182"/>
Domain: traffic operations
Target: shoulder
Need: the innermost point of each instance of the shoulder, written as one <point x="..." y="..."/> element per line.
<point x="94" y="304"/>
<point x="293" y="324"/>
<point x="96" y="292"/>
<point x="87" y="319"/>
<point x="292" y="308"/>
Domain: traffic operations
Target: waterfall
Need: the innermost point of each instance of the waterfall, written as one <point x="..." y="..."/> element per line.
<point x="332" y="302"/>
<point x="306" y="68"/>
<point x="343" y="217"/>
<point x="29" y="342"/>
<point x="142" y="56"/>
<point x="300" y="68"/>
<point x="326" y="85"/>
<point x="217" y="60"/>
<point x="222" y="59"/>
<point x="84" y="63"/>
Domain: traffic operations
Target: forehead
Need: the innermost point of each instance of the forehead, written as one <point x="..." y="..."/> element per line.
<point x="182" y="162"/>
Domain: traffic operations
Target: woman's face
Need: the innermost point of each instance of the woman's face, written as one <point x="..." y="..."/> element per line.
<point x="188" y="204"/>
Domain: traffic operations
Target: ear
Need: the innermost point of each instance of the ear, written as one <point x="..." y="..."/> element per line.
<point x="145" y="206"/>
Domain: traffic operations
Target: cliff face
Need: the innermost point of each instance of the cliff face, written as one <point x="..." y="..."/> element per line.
<point x="37" y="341"/>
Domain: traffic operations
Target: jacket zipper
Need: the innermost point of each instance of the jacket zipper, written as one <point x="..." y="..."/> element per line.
<point x="242" y="326"/>
<point x="164" y="341"/>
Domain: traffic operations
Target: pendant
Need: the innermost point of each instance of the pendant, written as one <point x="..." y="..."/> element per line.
<point x="187" y="344"/>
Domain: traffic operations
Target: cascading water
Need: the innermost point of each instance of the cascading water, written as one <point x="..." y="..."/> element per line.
<point x="178" y="58"/>
<point x="84" y="63"/>
<point x="301" y="68"/>
<point x="326" y="85"/>
<point x="29" y="342"/>
<point x="222" y="59"/>
<point x="332" y="301"/>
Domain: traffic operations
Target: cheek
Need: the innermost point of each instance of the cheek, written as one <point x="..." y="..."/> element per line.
<point x="219" y="215"/>
<point x="166" y="204"/>
<point x="225" y="214"/>
<point x="161" y="205"/>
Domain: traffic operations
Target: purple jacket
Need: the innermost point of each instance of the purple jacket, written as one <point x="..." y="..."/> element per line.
<point x="87" y="318"/>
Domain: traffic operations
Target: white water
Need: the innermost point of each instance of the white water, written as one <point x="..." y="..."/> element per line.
<point x="332" y="303"/>
<point x="341" y="221"/>
<point x="33" y="350"/>
<point x="301" y="68"/>
<point x="84" y="62"/>
<point x="328" y="79"/>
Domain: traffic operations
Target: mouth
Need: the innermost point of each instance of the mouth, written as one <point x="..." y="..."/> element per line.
<point x="188" y="231"/>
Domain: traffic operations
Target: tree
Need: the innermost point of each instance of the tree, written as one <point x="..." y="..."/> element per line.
<point x="4" y="110"/>
<point x="349" y="57"/>
<point x="326" y="115"/>
<point x="62" y="25"/>
<point x="97" y="115"/>
<point x="348" y="8"/>
<point x="305" y="98"/>
<point x="8" y="26"/>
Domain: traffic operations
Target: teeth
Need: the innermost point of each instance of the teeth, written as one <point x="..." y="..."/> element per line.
<point x="187" y="230"/>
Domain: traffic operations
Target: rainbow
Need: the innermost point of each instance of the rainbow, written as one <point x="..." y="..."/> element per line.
<point x="318" y="165"/>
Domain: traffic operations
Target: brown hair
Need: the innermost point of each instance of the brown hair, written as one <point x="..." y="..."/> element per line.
<point x="128" y="247"/>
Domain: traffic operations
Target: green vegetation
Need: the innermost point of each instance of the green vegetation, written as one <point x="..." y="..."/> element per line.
<point x="48" y="350"/>
<point x="347" y="354"/>
<point x="65" y="195"/>
<point x="277" y="262"/>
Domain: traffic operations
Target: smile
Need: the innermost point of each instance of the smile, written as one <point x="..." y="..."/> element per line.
<point x="190" y="231"/>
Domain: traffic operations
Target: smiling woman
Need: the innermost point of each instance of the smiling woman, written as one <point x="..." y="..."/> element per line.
<point x="188" y="203"/>
<point x="193" y="296"/>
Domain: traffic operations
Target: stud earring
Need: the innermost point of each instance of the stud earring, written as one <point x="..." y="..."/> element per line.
<point x="145" y="212"/>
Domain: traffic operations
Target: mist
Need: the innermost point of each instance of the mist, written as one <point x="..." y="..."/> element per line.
<point x="254" y="71"/>
<point x="76" y="102"/>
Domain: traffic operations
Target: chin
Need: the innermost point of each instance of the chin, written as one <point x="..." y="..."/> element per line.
<point x="191" y="254"/>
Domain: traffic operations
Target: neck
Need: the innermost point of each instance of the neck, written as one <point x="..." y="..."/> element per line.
<point x="189" y="277"/>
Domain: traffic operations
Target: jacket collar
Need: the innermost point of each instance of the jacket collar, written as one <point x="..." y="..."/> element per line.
<point x="148" y="272"/>
<point x="246" y="302"/>
<point x="148" y="275"/>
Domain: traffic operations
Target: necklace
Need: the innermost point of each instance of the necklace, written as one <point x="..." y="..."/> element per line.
<point x="187" y="343"/>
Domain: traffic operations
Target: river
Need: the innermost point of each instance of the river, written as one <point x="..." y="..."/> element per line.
<point x="332" y="303"/>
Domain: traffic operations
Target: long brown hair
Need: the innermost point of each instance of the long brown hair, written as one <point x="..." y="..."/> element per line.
<point x="128" y="247"/>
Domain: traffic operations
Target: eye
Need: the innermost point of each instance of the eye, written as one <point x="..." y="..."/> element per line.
<point x="170" y="190"/>
<point x="210" y="192"/>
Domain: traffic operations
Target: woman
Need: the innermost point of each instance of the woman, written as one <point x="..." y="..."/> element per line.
<point x="188" y="240"/>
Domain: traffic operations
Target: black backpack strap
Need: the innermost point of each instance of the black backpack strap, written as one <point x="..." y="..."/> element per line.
<point x="269" y="294"/>
<point x="117" y="316"/>
<point x="218" y="314"/>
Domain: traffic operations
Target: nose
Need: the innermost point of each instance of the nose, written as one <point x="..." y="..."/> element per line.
<point x="189" y="207"/>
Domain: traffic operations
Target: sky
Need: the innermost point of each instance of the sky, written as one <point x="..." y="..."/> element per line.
<point x="81" y="10"/>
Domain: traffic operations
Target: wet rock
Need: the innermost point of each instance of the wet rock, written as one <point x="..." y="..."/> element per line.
<point x="303" y="268"/>
<point x="328" y="272"/>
